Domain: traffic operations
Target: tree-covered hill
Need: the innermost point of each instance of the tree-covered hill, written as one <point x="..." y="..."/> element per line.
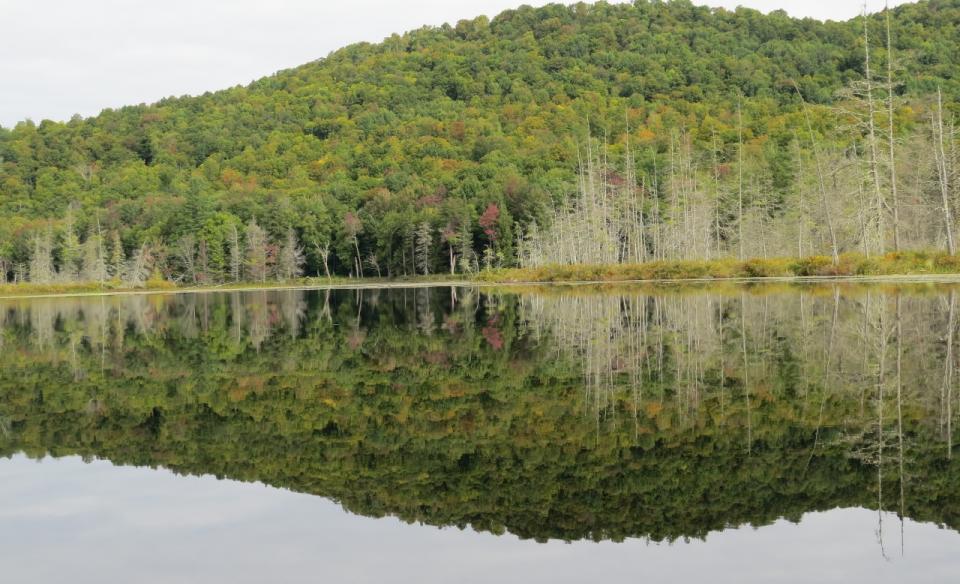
<point x="444" y="148"/>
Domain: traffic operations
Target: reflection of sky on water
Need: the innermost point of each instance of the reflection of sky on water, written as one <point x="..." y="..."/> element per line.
<point x="64" y="520"/>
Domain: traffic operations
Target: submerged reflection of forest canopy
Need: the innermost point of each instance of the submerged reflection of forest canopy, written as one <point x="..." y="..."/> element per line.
<point x="574" y="415"/>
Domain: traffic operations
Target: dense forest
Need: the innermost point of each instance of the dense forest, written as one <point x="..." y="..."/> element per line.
<point x="592" y="133"/>
<point x="600" y="416"/>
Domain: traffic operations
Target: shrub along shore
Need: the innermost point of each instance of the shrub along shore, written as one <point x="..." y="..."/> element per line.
<point x="849" y="266"/>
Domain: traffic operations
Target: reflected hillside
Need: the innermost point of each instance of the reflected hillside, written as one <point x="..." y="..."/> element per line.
<point x="633" y="413"/>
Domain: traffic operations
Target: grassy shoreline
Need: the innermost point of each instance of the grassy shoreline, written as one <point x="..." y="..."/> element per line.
<point x="896" y="267"/>
<point x="27" y="290"/>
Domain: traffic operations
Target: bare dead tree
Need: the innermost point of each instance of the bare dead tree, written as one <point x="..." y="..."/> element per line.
<point x="827" y="215"/>
<point x="740" y="178"/>
<point x="139" y="267"/>
<point x="874" y="163"/>
<point x="943" y="174"/>
<point x="186" y="252"/>
<point x="891" y="140"/>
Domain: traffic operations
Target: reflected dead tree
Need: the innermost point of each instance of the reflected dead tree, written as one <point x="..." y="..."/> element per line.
<point x="881" y="372"/>
<point x="899" y="381"/>
<point x="946" y="390"/>
<point x="746" y="370"/>
<point x="827" y="368"/>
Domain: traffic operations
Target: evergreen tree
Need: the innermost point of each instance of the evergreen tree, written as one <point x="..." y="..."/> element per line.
<point x="117" y="257"/>
<point x="94" y="259"/>
<point x="257" y="260"/>
<point x="71" y="252"/>
<point x="291" y="258"/>
<point x="424" y="243"/>
<point x="236" y="254"/>
<point x="41" y="259"/>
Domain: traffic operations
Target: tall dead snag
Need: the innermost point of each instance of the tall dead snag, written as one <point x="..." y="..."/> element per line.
<point x="943" y="176"/>
<point x="872" y="136"/>
<point x="890" y="137"/>
<point x="899" y="333"/>
<point x="740" y="178"/>
<point x="802" y="218"/>
<point x="946" y="391"/>
<point x="633" y="210"/>
<point x="716" y="195"/>
<point x="827" y="216"/>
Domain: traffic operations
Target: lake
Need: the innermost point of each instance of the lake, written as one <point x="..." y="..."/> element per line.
<point x="736" y="433"/>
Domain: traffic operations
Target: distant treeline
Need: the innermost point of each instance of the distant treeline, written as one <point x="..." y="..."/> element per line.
<point x="564" y="134"/>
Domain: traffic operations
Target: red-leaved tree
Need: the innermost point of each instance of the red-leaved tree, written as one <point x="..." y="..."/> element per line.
<point x="488" y="221"/>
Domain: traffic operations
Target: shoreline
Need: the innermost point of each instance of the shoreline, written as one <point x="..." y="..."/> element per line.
<point x="953" y="278"/>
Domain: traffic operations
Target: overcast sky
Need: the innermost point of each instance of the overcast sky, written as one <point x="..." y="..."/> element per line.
<point x="61" y="57"/>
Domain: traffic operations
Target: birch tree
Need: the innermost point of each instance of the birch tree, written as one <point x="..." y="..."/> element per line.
<point x="323" y="252"/>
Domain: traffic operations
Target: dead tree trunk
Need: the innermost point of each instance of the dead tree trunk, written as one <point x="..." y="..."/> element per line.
<point x="872" y="137"/>
<point x="890" y="138"/>
<point x="822" y="181"/>
<point x="942" y="172"/>
<point x="740" y="178"/>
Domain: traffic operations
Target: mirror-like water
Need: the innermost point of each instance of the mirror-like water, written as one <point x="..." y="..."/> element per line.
<point x="733" y="433"/>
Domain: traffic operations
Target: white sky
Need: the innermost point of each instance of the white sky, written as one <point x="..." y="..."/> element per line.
<point x="60" y="57"/>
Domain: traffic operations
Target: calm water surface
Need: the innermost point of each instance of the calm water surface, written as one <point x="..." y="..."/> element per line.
<point x="736" y="434"/>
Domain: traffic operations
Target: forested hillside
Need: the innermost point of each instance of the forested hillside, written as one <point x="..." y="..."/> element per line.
<point x="588" y="133"/>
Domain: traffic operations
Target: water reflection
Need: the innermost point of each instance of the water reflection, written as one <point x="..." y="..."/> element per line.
<point x="98" y="523"/>
<point x="660" y="414"/>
